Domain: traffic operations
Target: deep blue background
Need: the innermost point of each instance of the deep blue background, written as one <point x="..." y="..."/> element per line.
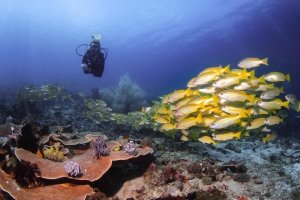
<point x="161" y="44"/>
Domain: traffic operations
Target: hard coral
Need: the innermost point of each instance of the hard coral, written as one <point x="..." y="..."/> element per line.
<point x="73" y="169"/>
<point x="100" y="147"/>
<point x="53" y="153"/>
<point x="130" y="147"/>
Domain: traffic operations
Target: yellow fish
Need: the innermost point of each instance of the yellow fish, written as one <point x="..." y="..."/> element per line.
<point x="252" y="62"/>
<point x="187" y="109"/>
<point x="208" y="90"/>
<point x="168" y="127"/>
<point x="294" y="103"/>
<point x="273" y="105"/>
<point x="256" y="81"/>
<point x="182" y="102"/>
<point x="191" y="83"/>
<point x="206" y="78"/>
<point x="218" y="69"/>
<point x="256" y="123"/>
<point x="163" y="110"/>
<point x="230" y="80"/>
<point x="205" y="100"/>
<point x="271" y="93"/>
<point x="184" y="138"/>
<point x="161" y="120"/>
<point x="269" y="137"/>
<point x="243" y="86"/>
<point x="236" y="95"/>
<point x="189" y="122"/>
<point x="227" y="120"/>
<point x="207" y="140"/>
<point x="277" y="77"/>
<point x="179" y="94"/>
<point x="272" y="120"/>
<point x="264" y="87"/>
<point x="234" y="110"/>
<point x="223" y="136"/>
<point x="206" y="121"/>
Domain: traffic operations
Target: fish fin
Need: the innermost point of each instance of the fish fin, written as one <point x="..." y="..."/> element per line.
<point x="262" y="79"/>
<point x="288" y="77"/>
<point x="199" y="118"/>
<point x="265" y="61"/>
<point x="252" y="98"/>
<point x="238" y="135"/>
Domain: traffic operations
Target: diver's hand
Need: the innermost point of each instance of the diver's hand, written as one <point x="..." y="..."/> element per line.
<point x="85" y="68"/>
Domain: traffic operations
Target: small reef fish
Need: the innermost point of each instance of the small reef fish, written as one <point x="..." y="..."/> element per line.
<point x="234" y="110"/>
<point x="256" y="123"/>
<point x="208" y="90"/>
<point x="187" y="109"/>
<point x="269" y="137"/>
<point x="252" y="62"/>
<point x="264" y="87"/>
<point x="273" y="105"/>
<point x="161" y="119"/>
<point x="227" y="136"/>
<point x="189" y="122"/>
<point x="243" y="86"/>
<point x="227" y="120"/>
<point x="230" y="80"/>
<point x="218" y="69"/>
<point x="206" y="78"/>
<point x="236" y="95"/>
<point x="179" y="94"/>
<point x="271" y="93"/>
<point x="294" y="103"/>
<point x="207" y="140"/>
<point x="272" y="120"/>
<point x="168" y="127"/>
<point x="277" y="77"/>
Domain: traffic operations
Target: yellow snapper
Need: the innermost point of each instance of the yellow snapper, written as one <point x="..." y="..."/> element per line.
<point x="187" y="109"/>
<point x="206" y="121"/>
<point x="168" y="127"/>
<point x="269" y="137"/>
<point x="239" y="72"/>
<point x="206" y="140"/>
<point x="179" y="94"/>
<point x="189" y="122"/>
<point x="163" y="110"/>
<point x="257" y="81"/>
<point x="234" y="110"/>
<point x="273" y="105"/>
<point x="236" y="95"/>
<point x="184" y="138"/>
<point x="227" y="120"/>
<point x="271" y="93"/>
<point x="277" y="77"/>
<point x="226" y="135"/>
<point x="208" y="90"/>
<point x="252" y="62"/>
<point x="205" y="100"/>
<point x="191" y="83"/>
<point x="182" y="102"/>
<point x="243" y="86"/>
<point x="272" y="120"/>
<point x="256" y="123"/>
<point x="218" y="69"/>
<point x="161" y="119"/>
<point x="263" y="87"/>
<point x="206" y="78"/>
<point x="229" y="80"/>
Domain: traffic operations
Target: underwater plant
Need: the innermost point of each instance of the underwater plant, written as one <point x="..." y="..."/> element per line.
<point x="222" y="104"/>
<point x="54" y="153"/>
<point x="73" y="169"/>
<point x="100" y="147"/>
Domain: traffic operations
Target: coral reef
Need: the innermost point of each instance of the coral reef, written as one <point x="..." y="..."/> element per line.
<point x="100" y="147"/>
<point x="73" y="169"/>
<point x="27" y="173"/>
<point x="126" y="97"/>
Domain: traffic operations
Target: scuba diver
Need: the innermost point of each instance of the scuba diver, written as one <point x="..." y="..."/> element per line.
<point x="93" y="60"/>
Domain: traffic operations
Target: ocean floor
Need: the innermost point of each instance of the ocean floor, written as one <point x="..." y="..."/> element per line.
<point x="257" y="171"/>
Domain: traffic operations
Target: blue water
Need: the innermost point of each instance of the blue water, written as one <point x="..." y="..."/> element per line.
<point x="161" y="44"/>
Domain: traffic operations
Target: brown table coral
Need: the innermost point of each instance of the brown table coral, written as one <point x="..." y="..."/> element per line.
<point x="59" y="191"/>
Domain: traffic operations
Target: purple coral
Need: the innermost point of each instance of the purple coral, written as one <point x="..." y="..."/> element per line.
<point x="73" y="169"/>
<point x="130" y="147"/>
<point x="100" y="147"/>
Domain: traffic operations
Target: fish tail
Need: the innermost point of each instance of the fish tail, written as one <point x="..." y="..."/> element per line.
<point x="288" y="77"/>
<point x="252" y="73"/>
<point x="286" y="104"/>
<point x="227" y="68"/>
<point x="199" y="118"/>
<point x="265" y="61"/>
<point x="252" y="98"/>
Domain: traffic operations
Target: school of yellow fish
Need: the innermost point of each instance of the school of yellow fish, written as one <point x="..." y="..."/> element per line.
<point x="222" y="104"/>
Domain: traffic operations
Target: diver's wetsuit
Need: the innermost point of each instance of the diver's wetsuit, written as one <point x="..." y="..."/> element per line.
<point x="94" y="59"/>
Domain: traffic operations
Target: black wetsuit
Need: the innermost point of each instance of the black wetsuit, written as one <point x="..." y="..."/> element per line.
<point x="94" y="59"/>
